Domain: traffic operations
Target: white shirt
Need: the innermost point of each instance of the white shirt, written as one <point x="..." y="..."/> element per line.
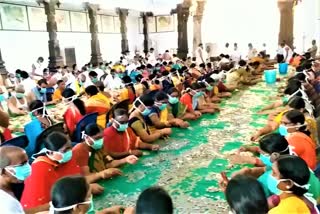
<point x="8" y="204"/>
<point x="113" y="83"/>
<point x="28" y="84"/>
<point x="152" y="58"/>
<point x="235" y="56"/>
<point x="252" y="53"/>
<point x="99" y="72"/>
<point x="38" y="68"/>
<point x="199" y="52"/>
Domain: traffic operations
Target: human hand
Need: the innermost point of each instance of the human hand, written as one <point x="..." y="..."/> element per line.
<point x="112" y="210"/>
<point x="255" y="137"/>
<point x="136" y="153"/>
<point x="130" y="210"/>
<point x="166" y="132"/>
<point x="198" y="113"/>
<point x="243" y="171"/>
<point x="131" y="159"/>
<point x="107" y="173"/>
<point x="155" y="147"/>
<point x="96" y="189"/>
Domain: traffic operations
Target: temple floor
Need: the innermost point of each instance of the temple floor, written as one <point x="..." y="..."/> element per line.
<point x="189" y="163"/>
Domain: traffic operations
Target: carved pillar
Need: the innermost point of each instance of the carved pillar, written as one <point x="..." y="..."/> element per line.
<point x="55" y="58"/>
<point x="286" y="21"/>
<point x="183" y="15"/>
<point x="197" y="21"/>
<point x="145" y="32"/>
<point x="96" y="56"/>
<point x="123" y="14"/>
<point x="3" y="70"/>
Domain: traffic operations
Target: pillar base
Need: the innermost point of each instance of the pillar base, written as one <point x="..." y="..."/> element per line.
<point x="124" y="45"/>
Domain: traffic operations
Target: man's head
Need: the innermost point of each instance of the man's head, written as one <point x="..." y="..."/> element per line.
<point x="42" y="85"/>
<point x="282" y="44"/>
<point x="250" y="46"/>
<point x="14" y="166"/>
<point x="201" y="45"/>
<point x="120" y="119"/>
<point x="61" y="85"/>
<point x="227" y="45"/>
<point x="40" y="59"/>
<point x="23" y="74"/>
<point x="91" y="90"/>
<point x="151" y="50"/>
<point x="314" y="42"/>
<point x="93" y="76"/>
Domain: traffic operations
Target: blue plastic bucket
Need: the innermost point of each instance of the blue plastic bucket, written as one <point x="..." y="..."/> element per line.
<point x="270" y="76"/>
<point x="283" y="68"/>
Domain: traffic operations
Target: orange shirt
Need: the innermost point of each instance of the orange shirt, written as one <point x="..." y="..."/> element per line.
<point x="304" y="147"/>
<point x="57" y="95"/>
<point x="186" y="99"/>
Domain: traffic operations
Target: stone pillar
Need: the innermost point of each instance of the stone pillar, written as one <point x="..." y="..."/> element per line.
<point x="145" y="32"/>
<point x="55" y="58"/>
<point x="96" y="56"/>
<point x="197" y="22"/>
<point x="3" y="70"/>
<point x="183" y="15"/>
<point x="286" y="21"/>
<point x="123" y="14"/>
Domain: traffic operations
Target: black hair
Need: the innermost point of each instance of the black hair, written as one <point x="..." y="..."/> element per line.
<point x="202" y="85"/>
<point x="209" y="65"/>
<point x="142" y="67"/>
<point x="93" y="74"/>
<point x="295" y="169"/>
<point x="68" y="191"/>
<point x="91" y="90"/>
<point x="274" y="143"/>
<point x="146" y="85"/>
<point x="172" y="90"/>
<point x="67" y="93"/>
<point x="146" y="100"/>
<point x="138" y="78"/>
<point x="42" y="81"/>
<point x="195" y="86"/>
<point x="65" y="67"/>
<point x="59" y="81"/>
<point x="300" y="76"/>
<point x="92" y="129"/>
<point x="194" y="58"/>
<point x="41" y="58"/>
<point x="295" y="116"/>
<point x="202" y="65"/>
<point x="24" y="74"/>
<point x="74" y="66"/>
<point x="280" y="58"/>
<point x="193" y="65"/>
<point x="120" y="112"/>
<point x="245" y="195"/>
<point x="161" y="96"/>
<point x="297" y="103"/>
<point x="242" y="63"/>
<point x="55" y="141"/>
<point x="35" y="105"/>
<point x="18" y="71"/>
<point x="149" y="66"/>
<point x="154" y="200"/>
<point x="100" y="85"/>
<point x="164" y="63"/>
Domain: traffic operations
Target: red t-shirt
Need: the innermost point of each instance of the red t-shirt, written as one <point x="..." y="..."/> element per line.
<point x="186" y="99"/>
<point x="44" y="174"/>
<point x="82" y="154"/>
<point x="115" y="141"/>
<point x="222" y="87"/>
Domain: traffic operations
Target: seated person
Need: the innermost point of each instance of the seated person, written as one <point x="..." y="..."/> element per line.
<point x="18" y="104"/>
<point x="5" y="133"/>
<point x="40" y="93"/>
<point x="200" y="102"/>
<point x="40" y="120"/>
<point x="128" y="92"/>
<point x="161" y="103"/>
<point x="101" y="88"/>
<point x="97" y="102"/>
<point x="75" y="111"/>
<point x="142" y="107"/>
<point x="177" y="109"/>
<point x="190" y="99"/>
<point x="120" y="141"/>
<point x="93" y="76"/>
<point x="57" y="95"/>
<point x="93" y="160"/>
<point x="214" y="81"/>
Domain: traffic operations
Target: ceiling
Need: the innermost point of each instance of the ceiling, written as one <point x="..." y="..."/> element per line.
<point x="155" y="6"/>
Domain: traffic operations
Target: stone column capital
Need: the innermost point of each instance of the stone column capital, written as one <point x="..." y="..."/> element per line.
<point x="285" y="5"/>
<point x="122" y="11"/>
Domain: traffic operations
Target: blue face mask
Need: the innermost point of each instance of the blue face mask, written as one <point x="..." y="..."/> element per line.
<point x="122" y="127"/>
<point x="2" y="97"/>
<point x="146" y="112"/>
<point x="20" y="172"/>
<point x="66" y="157"/>
<point x="173" y="100"/>
<point x="20" y="95"/>
<point x="209" y="88"/>
<point x="283" y="130"/>
<point x="32" y="116"/>
<point x="265" y="160"/>
<point x="273" y="184"/>
<point x="163" y="106"/>
<point x="94" y="80"/>
<point x="43" y="90"/>
<point x="198" y="94"/>
<point x="97" y="144"/>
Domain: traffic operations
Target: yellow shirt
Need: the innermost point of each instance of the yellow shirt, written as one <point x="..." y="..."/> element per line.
<point x="278" y="118"/>
<point x="291" y="205"/>
<point x="57" y="95"/>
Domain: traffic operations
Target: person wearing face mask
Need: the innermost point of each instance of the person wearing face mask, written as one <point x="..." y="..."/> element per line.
<point x="75" y="111"/>
<point x="72" y="194"/>
<point x="55" y="161"/>
<point x="120" y="141"/>
<point x="79" y="84"/>
<point x="11" y="81"/>
<point x="291" y="174"/>
<point x="93" y="160"/>
<point x="18" y="104"/>
<point x="97" y="102"/>
<point x="190" y="99"/>
<point x="57" y="95"/>
<point x="39" y="122"/>
<point x="40" y="93"/>
<point x="14" y="169"/>
<point x="244" y="194"/>
<point x="128" y="92"/>
<point x="112" y="81"/>
<point x="142" y="107"/>
<point x="293" y="127"/>
<point x="93" y="76"/>
<point x="177" y="109"/>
